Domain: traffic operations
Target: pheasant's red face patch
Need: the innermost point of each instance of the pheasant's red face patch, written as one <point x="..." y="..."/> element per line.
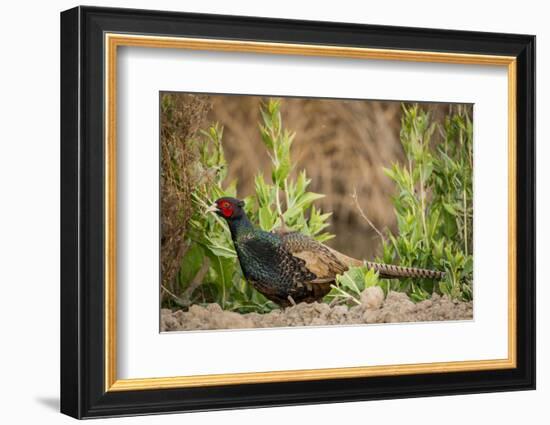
<point x="226" y="208"/>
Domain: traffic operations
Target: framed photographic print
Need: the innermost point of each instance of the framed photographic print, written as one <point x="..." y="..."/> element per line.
<point x="261" y="212"/>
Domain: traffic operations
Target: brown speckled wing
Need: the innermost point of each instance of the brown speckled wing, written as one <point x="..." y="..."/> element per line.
<point x="318" y="258"/>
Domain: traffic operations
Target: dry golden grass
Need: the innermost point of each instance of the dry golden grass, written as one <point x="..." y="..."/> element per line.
<point x="181" y="118"/>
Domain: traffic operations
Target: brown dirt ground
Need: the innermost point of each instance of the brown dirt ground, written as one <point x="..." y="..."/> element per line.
<point x="395" y="308"/>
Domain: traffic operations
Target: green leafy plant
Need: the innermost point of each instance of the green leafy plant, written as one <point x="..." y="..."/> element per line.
<point x="433" y="206"/>
<point x="210" y="271"/>
<point x="352" y="283"/>
<point x="285" y="201"/>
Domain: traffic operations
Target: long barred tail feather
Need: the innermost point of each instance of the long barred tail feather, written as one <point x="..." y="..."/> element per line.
<point x="391" y="271"/>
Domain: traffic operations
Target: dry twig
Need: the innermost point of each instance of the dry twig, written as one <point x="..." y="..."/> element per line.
<point x="362" y="213"/>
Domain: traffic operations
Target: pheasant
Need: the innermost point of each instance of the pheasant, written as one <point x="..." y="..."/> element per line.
<point x="288" y="267"/>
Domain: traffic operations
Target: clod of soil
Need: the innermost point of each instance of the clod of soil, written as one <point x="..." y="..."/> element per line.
<point x="395" y="308"/>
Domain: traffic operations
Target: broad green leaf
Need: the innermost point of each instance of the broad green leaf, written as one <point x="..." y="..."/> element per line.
<point x="266" y="218"/>
<point x="450" y="209"/>
<point x="307" y="199"/>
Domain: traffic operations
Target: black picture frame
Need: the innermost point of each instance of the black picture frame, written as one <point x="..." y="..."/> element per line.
<point x="83" y="392"/>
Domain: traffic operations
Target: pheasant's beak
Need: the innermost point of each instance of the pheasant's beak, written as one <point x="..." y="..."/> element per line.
<point x="212" y="209"/>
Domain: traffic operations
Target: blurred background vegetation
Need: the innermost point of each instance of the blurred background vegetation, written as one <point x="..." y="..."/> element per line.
<point x="390" y="181"/>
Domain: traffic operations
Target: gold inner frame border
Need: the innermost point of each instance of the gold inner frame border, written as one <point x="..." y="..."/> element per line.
<point x="113" y="40"/>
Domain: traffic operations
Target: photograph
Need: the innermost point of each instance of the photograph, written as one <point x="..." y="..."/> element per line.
<point x="299" y="211"/>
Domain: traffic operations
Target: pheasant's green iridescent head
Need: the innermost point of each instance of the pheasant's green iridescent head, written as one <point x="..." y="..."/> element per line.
<point x="228" y="208"/>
